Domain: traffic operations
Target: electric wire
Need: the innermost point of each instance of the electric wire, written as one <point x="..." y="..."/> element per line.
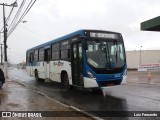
<point x="17" y="14"/>
<point x="16" y="21"/>
<point x="9" y="15"/>
<point x="22" y="16"/>
<point x="35" y="32"/>
<point x="10" y="12"/>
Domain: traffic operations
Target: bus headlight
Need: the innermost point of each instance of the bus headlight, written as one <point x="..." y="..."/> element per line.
<point x="91" y="75"/>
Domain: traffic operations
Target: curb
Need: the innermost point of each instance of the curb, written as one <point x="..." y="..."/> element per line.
<point x="86" y="113"/>
<point x="67" y="106"/>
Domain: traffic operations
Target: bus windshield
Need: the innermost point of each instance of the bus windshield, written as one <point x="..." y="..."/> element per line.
<point x="105" y="54"/>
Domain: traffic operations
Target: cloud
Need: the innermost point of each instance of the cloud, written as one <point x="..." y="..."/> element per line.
<point x="75" y="8"/>
<point x="50" y="19"/>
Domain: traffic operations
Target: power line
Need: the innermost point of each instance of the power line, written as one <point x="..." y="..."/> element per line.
<point x="13" y="5"/>
<point x="23" y="15"/>
<point x="35" y="32"/>
<point x="19" y="19"/>
<point x="17" y="14"/>
<point x="5" y="34"/>
<point x="10" y="12"/>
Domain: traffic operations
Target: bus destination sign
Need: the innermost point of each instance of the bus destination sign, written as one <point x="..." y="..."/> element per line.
<point x="103" y="35"/>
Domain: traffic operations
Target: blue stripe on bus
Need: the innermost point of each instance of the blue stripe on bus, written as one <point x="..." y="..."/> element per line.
<point x="104" y="77"/>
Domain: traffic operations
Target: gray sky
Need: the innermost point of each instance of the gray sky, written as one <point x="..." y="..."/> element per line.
<point x="49" y="19"/>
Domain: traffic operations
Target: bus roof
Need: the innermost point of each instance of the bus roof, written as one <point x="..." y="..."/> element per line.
<point x="79" y="32"/>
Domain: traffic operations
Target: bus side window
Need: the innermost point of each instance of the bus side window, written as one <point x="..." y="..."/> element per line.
<point x="65" y="54"/>
<point x="55" y="51"/>
<point x="30" y="58"/>
<point x="65" y="49"/>
<point x="47" y="55"/>
<point x="27" y="58"/>
<point x="41" y="54"/>
<point x="36" y="55"/>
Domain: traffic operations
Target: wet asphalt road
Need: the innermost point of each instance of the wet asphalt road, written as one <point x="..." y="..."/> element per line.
<point x="130" y="97"/>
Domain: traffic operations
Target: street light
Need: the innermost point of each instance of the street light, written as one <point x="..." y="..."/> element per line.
<point x="140" y="55"/>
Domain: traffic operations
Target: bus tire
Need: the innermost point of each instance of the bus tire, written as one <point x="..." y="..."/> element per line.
<point x="37" y="76"/>
<point x="65" y="82"/>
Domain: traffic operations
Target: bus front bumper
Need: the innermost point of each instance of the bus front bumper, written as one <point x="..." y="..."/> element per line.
<point x="92" y="83"/>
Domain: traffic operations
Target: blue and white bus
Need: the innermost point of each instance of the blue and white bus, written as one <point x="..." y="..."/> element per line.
<point x="85" y="58"/>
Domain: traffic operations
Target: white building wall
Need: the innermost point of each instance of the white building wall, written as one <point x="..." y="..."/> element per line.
<point x="134" y="58"/>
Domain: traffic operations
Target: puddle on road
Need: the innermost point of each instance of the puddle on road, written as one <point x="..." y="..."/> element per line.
<point x="112" y="91"/>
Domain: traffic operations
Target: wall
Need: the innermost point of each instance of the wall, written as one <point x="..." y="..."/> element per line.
<point x="147" y="56"/>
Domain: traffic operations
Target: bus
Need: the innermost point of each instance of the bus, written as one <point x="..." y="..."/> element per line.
<point x="85" y="58"/>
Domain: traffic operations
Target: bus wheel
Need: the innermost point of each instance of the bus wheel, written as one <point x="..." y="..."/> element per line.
<point x="37" y="76"/>
<point x="65" y="82"/>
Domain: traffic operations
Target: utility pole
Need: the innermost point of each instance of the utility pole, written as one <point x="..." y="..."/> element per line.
<point x="1" y="54"/>
<point x="5" y="36"/>
<point x="1" y="49"/>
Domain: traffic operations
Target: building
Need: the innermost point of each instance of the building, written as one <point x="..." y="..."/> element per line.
<point x="134" y="58"/>
<point x="151" y="25"/>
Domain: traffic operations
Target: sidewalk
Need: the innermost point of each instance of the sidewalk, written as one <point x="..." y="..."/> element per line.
<point x="143" y="77"/>
<point x="15" y="96"/>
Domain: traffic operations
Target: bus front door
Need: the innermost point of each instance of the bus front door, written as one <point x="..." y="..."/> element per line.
<point x="76" y="51"/>
<point x="31" y="64"/>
